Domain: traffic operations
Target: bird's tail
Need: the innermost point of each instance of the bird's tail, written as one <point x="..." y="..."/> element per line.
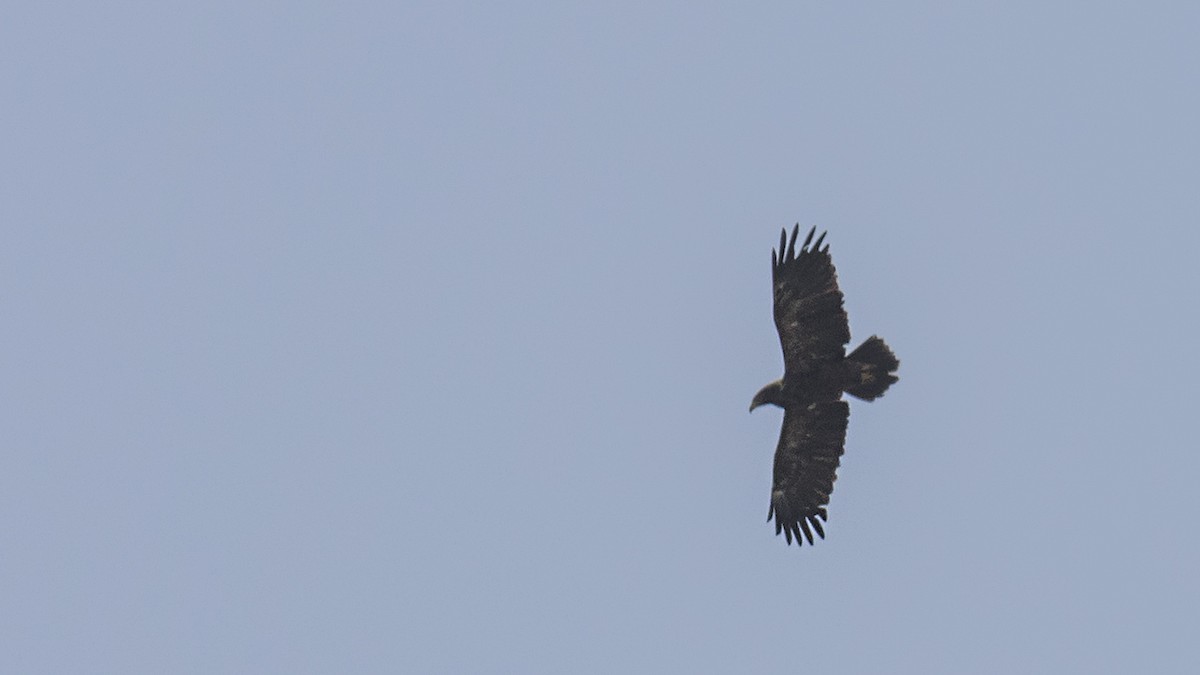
<point x="874" y="367"/>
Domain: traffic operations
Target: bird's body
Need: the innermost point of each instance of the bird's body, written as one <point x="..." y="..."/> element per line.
<point x="813" y="331"/>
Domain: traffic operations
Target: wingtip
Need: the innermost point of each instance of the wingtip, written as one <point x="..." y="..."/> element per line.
<point x="807" y="532"/>
<point x="817" y="246"/>
<point x="787" y="245"/>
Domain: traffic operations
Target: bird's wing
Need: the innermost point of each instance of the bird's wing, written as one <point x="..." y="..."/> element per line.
<point x="809" y="316"/>
<point x="806" y="461"/>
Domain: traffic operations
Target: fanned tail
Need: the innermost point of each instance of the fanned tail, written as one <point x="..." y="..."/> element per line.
<point x="875" y="367"/>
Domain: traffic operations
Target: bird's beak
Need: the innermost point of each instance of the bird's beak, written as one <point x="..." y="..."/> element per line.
<point x="754" y="404"/>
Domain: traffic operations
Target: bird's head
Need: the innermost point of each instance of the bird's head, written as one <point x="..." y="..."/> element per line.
<point x="768" y="394"/>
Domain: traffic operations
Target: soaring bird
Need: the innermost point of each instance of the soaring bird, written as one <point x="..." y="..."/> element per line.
<point x="814" y="331"/>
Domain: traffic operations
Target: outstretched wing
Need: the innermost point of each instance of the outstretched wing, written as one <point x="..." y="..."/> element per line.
<point x="806" y="462"/>
<point x="809" y="316"/>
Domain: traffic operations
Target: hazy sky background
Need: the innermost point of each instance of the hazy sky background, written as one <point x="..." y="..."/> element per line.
<point x="418" y="337"/>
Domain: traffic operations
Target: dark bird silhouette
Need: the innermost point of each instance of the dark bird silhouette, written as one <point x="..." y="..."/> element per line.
<point x="814" y="331"/>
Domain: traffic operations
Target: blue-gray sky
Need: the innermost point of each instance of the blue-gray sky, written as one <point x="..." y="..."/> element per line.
<point x="418" y="337"/>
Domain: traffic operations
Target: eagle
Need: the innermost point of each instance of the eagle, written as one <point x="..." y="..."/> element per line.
<point x="814" y="331"/>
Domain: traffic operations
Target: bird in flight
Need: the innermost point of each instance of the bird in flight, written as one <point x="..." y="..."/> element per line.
<point x="814" y="331"/>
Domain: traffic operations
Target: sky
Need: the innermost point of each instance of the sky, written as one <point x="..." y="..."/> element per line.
<point x="419" y="337"/>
